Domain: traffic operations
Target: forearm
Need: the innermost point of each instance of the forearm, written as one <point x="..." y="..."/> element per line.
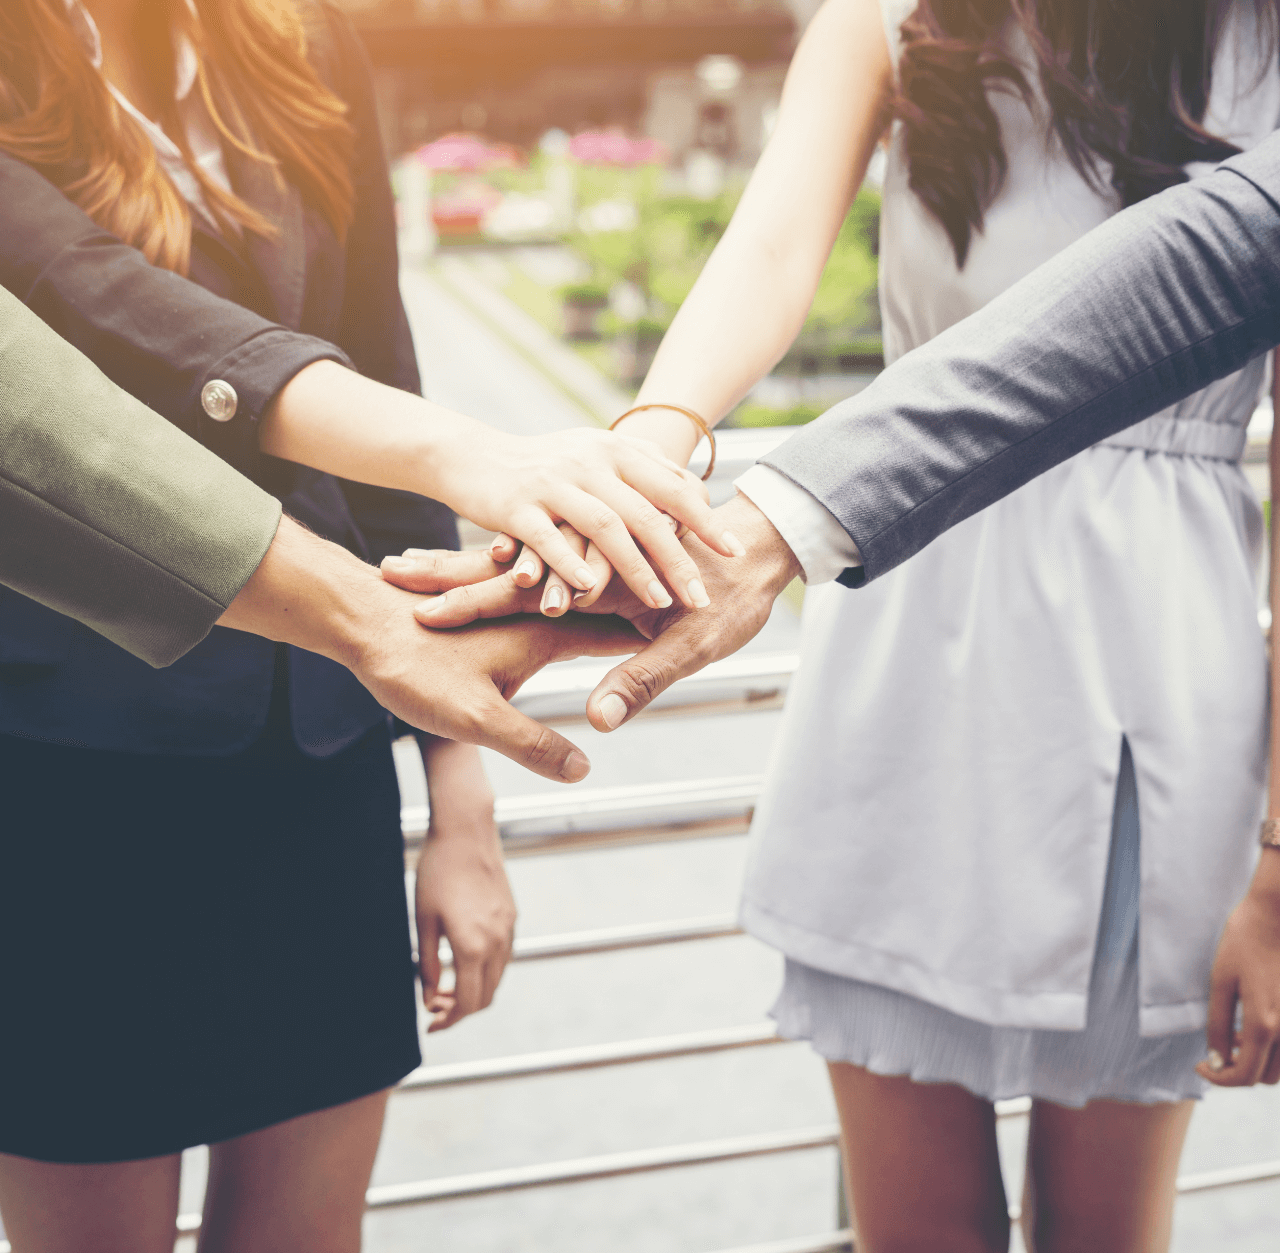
<point x="335" y="420"/>
<point x="743" y="313"/>
<point x="752" y="297"/>
<point x="1153" y="305"/>
<point x="311" y="593"/>
<point x="460" y="794"/>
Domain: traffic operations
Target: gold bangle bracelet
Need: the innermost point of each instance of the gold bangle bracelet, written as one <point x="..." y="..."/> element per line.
<point x="696" y="419"/>
<point x="1269" y="836"/>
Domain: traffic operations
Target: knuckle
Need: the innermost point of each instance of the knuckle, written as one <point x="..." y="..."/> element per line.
<point x="643" y="680"/>
<point x="649" y="518"/>
<point x="543" y="749"/>
<point x="602" y="518"/>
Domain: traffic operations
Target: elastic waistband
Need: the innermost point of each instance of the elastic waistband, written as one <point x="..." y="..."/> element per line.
<point x="1183" y="437"/>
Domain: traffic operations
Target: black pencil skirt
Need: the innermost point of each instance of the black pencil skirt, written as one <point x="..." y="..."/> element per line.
<point x="195" y="948"/>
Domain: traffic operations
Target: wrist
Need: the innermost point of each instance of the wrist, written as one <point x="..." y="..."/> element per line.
<point x="1265" y="887"/>
<point x="769" y="558"/>
<point x="670" y="429"/>
<point x="309" y="592"/>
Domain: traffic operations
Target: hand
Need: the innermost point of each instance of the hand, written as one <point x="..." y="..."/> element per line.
<point x="454" y="684"/>
<point x="467" y="586"/>
<point x="1246" y="972"/>
<point x="643" y="490"/>
<point x="742" y="594"/>
<point x="557" y="596"/>
<point x="608" y="486"/>
<point x="462" y="890"/>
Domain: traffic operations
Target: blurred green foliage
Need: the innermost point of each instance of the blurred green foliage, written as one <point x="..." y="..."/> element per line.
<point x="749" y="413"/>
<point x="675" y="234"/>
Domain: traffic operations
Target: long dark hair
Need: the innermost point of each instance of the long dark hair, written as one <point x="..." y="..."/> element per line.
<point x="1127" y="83"/>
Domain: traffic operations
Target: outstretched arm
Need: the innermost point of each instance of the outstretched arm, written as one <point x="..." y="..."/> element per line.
<point x="1153" y="305"/>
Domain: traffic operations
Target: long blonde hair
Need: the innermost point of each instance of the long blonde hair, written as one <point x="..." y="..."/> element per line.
<point x="262" y="94"/>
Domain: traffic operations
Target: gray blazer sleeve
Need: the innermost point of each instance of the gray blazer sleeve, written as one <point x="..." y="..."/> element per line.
<point x="108" y="513"/>
<point x="1150" y="307"/>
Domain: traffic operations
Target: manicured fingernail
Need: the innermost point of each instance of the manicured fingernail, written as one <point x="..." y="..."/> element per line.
<point x="733" y="544"/>
<point x="576" y="766"/>
<point x="1215" y="1060"/>
<point x="397" y="565"/>
<point x="527" y="571"/>
<point x="585" y="579"/>
<point x="552" y="599"/>
<point x="658" y="596"/>
<point x="698" y="594"/>
<point x="612" y="710"/>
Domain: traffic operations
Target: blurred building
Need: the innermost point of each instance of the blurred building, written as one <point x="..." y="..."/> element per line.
<point x="695" y="74"/>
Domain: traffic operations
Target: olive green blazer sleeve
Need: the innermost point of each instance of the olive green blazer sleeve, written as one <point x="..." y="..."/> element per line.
<point x="108" y="513"/>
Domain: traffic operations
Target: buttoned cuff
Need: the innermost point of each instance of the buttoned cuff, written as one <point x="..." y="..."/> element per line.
<point x="822" y="546"/>
<point x="236" y="390"/>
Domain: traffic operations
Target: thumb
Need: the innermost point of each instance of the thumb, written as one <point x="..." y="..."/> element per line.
<point x="629" y="687"/>
<point x="530" y="744"/>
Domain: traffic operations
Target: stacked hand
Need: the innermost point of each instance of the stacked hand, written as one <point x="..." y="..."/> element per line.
<point x="465" y="587"/>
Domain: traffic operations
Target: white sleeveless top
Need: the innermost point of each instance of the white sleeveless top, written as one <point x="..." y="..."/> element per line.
<point x="937" y="815"/>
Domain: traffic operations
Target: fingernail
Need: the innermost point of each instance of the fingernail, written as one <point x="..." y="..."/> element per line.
<point x="426" y="608"/>
<point x="416" y="552"/>
<point x="498" y="545"/>
<point x="553" y="598"/>
<point x="576" y="766"/>
<point x="733" y="544"/>
<point x="672" y="523"/>
<point x="528" y="571"/>
<point x="612" y="710"/>
<point x="658" y="596"/>
<point x="1215" y="1060"/>
<point x="698" y="594"/>
<point x="397" y="565"/>
<point x="585" y="579"/>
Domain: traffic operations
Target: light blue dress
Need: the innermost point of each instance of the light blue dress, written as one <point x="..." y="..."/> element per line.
<point x="1016" y="790"/>
<point x="889" y="1033"/>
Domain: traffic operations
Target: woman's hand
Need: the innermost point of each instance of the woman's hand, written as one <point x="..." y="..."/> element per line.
<point x="462" y="890"/>
<point x="1246" y="974"/>
<point x="609" y="487"/>
<point x="650" y="495"/>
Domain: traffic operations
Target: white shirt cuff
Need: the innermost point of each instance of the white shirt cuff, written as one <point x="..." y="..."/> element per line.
<point x="822" y="546"/>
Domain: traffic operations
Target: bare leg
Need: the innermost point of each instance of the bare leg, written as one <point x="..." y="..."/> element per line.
<point x="922" y="1170"/>
<point x="1101" y="1179"/>
<point x="296" y="1187"/>
<point x="119" y="1207"/>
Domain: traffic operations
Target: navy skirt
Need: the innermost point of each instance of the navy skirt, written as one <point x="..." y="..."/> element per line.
<point x="195" y="948"/>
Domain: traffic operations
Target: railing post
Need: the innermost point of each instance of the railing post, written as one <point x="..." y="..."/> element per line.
<point x="842" y="1199"/>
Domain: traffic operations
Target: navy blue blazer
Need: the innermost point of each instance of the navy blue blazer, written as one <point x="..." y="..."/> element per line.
<point x="252" y="314"/>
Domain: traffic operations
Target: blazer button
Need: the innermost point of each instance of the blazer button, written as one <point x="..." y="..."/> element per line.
<point x="218" y="399"/>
